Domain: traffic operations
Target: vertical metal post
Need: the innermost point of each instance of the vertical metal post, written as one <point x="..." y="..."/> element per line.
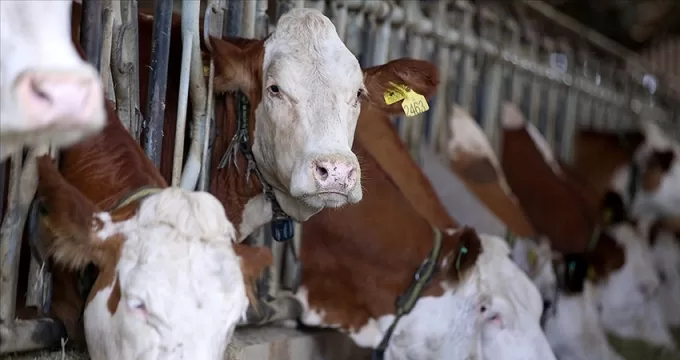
<point x="125" y="65"/>
<point x="91" y="31"/>
<point x="152" y="132"/>
<point x="492" y="79"/>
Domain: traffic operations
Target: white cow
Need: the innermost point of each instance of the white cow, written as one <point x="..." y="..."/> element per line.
<point x="48" y="94"/>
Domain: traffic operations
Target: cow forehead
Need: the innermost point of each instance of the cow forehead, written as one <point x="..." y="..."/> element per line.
<point x="334" y="68"/>
<point x="175" y="232"/>
<point x="306" y="47"/>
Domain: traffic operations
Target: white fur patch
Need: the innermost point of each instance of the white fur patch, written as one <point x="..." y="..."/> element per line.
<point x="180" y="277"/>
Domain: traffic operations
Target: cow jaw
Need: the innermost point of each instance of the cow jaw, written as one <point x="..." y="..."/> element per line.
<point x="177" y="290"/>
<point x="311" y="91"/>
<point x="47" y="92"/>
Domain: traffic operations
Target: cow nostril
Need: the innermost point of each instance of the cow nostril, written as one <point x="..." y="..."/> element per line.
<point x="322" y="172"/>
<point x="547" y="304"/>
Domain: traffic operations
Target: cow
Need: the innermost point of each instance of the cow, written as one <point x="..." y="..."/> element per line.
<point x="596" y="219"/>
<point x="643" y="165"/>
<point x="305" y="90"/>
<point x="48" y="94"/>
<point x="170" y="283"/>
<point x="476" y="302"/>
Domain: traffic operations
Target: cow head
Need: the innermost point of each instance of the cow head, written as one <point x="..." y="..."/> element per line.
<point x="47" y="92"/>
<point x="627" y="282"/>
<point x="512" y="318"/>
<point x="307" y="89"/>
<point x="170" y="283"/>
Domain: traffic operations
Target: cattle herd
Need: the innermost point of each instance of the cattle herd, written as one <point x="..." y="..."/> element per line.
<point x="589" y="264"/>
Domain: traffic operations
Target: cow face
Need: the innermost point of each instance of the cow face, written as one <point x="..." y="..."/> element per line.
<point x="575" y="331"/>
<point x="628" y="290"/>
<point x="493" y="312"/>
<point x="512" y="317"/>
<point x="47" y="92"/>
<point x="307" y="89"/>
<point x="170" y="284"/>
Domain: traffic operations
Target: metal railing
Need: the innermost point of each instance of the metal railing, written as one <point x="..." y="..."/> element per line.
<point x="484" y="57"/>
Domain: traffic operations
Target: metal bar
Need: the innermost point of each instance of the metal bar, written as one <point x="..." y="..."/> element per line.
<point x="249" y="12"/>
<point x="183" y="98"/>
<point x="125" y="65"/>
<point x="22" y="188"/>
<point x="10" y="244"/>
<point x="152" y="132"/>
<point x="108" y="18"/>
<point x="91" y="31"/>
<point x="232" y="27"/>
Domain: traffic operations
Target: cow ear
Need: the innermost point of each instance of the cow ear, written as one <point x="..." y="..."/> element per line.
<point x="254" y="260"/>
<point x="422" y="77"/>
<point x="66" y="219"/>
<point x="238" y="64"/>
<point x="465" y="257"/>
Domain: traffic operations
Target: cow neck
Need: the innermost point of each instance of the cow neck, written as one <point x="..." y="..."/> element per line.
<point x="408" y="299"/>
<point x="282" y="227"/>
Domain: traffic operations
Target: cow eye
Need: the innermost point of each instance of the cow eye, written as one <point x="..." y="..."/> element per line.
<point x="274" y="89"/>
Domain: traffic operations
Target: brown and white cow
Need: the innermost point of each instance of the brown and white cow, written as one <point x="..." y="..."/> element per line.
<point x="171" y="284"/>
<point x="358" y="259"/>
<point x="626" y="296"/>
<point x="48" y="94"/>
<point x="643" y="163"/>
<point x="305" y="90"/>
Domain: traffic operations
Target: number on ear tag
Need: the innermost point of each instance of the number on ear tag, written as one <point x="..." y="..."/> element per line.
<point x="413" y="103"/>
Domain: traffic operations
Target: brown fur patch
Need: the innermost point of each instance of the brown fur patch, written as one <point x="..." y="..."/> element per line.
<point x="421" y="76"/>
<point x="597" y="155"/>
<point x="254" y="261"/>
<point x="607" y="257"/>
<point x="551" y="203"/>
<point x="464" y="258"/>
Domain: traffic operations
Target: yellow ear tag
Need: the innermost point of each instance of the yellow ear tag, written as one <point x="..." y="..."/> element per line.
<point x="591" y="273"/>
<point x="413" y="103"/>
<point x="533" y="257"/>
<point x="206" y="70"/>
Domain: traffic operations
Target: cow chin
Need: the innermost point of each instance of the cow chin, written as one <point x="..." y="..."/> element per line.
<point x="332" y="199"/>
